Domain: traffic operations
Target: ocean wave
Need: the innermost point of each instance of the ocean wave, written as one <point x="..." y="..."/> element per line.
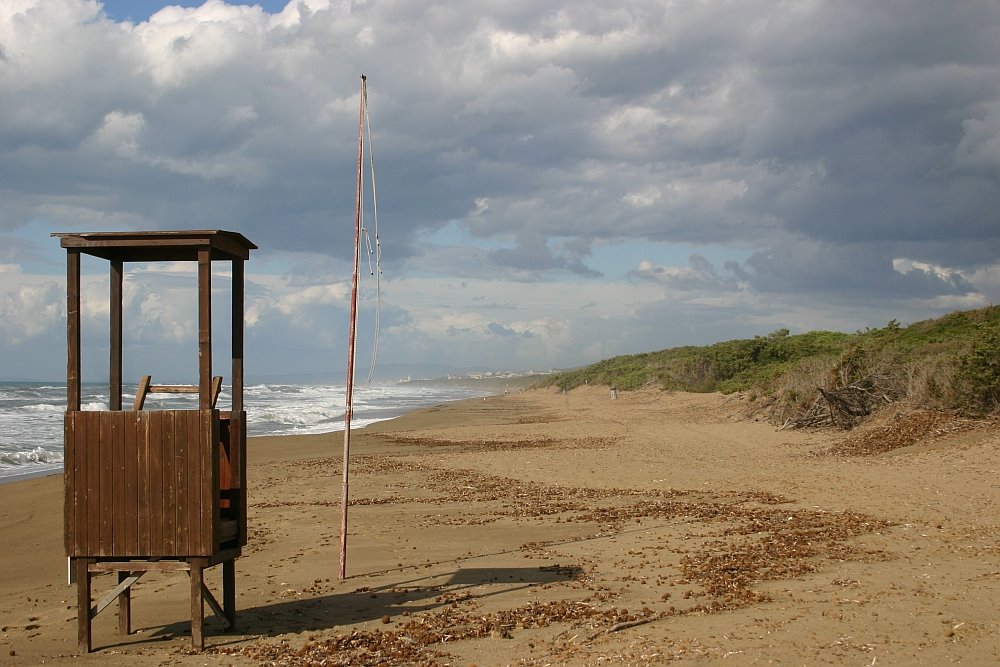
<point x="275" y="389"/>
<point x="33" y="456"/>
<point x="32" y="414"/>
<point x="294" y="417"/>
<point x="43" y="407"/>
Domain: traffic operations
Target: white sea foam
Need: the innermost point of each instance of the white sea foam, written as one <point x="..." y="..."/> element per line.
<point x="31" y="415"/>
<point x="38" y="455"/>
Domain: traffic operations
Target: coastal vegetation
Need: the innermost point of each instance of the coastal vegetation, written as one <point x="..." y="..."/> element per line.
<point x="949" y="363"/>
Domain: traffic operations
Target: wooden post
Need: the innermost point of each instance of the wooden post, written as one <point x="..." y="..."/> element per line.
<point x="204" y="328"/>
<point x="229" y="590"/>
<point x="237" y="335"/>
<point x="197" y="602"/>
<point x="73" y="329"/>
<point x="71" y="480"/>
<point x="115" y="371"/>
<point x="124" y="605"/>
<point x="80" y="565"/>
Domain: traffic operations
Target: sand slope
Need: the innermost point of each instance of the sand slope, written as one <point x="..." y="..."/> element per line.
<point x="548" y="528"/>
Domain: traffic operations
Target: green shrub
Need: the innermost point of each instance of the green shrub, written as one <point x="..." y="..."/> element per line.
<point x="952" y="362"/>
<point x="978" y="374"/>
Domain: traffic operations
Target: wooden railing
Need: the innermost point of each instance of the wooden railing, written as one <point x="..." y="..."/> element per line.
<point x="146" y="388"/>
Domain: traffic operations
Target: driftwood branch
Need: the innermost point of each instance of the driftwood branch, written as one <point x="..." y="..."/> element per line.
<point x="622" y="625"/>
<point x="844" y="406"/>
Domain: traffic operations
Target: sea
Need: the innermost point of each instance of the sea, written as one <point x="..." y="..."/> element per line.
<point x="31" y="413"/>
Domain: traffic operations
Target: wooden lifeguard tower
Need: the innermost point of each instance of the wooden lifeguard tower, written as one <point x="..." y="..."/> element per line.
<point x="159" y="489"/>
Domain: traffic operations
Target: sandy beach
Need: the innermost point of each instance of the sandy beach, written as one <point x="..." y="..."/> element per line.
<point x="545" y="528"/>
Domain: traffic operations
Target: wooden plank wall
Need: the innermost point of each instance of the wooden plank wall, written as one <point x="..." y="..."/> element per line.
<point x="142" y="484"/>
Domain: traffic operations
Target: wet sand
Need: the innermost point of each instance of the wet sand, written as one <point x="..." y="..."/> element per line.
<point x="547" y="528"/>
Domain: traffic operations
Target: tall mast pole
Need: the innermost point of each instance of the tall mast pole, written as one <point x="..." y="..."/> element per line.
<point x="353" y="333"/>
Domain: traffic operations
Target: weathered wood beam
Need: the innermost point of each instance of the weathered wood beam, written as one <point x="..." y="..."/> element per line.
<point x="238" y="291"/>
<point x="73" y="330"/>
<point x="215" y="606"/>
<point x="113" y="594"/>
<point x="204" y="328"/>
<point x="141" y="392"/>
<point x="115" y="347"/>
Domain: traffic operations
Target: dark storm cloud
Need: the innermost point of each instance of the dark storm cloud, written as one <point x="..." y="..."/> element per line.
<point x="545" y="124"/>
<point x="532" y="253"/>
<point x="859" y="270"/>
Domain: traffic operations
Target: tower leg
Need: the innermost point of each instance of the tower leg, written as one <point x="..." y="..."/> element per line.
<point x="82" y="604"/>
<point x="197" y="603"/>
<point x="229" y="591"/>
<point x="124" y="605"/>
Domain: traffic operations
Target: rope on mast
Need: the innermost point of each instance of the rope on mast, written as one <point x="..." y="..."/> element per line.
<point x="377" y="272"/>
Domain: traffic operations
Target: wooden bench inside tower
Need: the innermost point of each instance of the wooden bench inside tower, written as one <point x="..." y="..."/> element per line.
<point x="155" y="489"/>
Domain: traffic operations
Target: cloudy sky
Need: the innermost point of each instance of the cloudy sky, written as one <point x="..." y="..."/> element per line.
<point x="559" y="181"/>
